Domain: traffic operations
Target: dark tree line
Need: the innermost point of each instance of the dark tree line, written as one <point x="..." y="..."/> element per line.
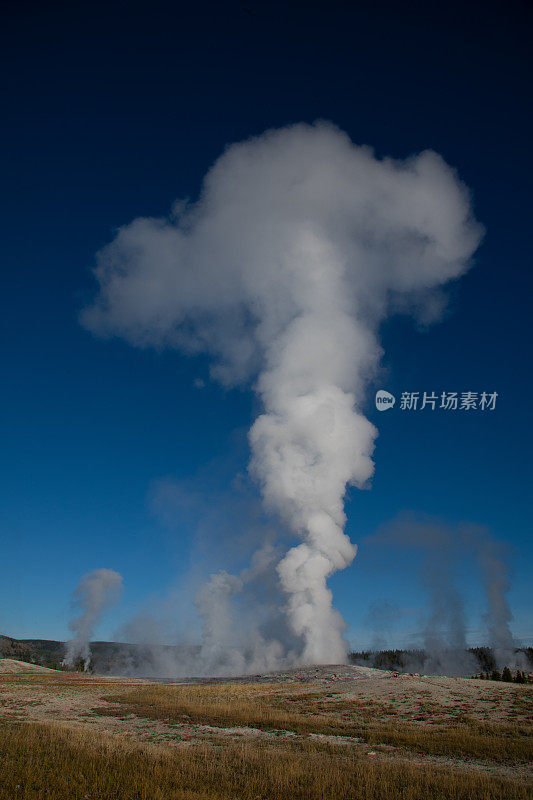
<point x="413" y="661"/>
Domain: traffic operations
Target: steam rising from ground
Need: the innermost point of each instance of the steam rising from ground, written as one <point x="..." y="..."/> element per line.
<point x="496" y="581"/>
<point x="444" y="549"/>
<point x="96" y="592"/>
<point x="299" y="246"/>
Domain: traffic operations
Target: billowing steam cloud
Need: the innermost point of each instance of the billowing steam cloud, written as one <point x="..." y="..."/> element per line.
<point x="300" y="244"/>
<point x="228" y="648"/>
<point x="96" y="591"/>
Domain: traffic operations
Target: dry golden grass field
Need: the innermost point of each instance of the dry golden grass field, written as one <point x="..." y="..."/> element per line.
<point x="327" y="733"/>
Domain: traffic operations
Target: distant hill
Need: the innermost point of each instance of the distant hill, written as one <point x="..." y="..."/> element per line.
<point x="45" y="652"/>
<point x="118" y="657"/>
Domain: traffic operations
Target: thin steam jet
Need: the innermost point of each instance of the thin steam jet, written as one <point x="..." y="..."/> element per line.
<point x="496" y="581"/>
<point x="300" y="244"/>
<point x="380" y="619"/>
<point x="96" y="592"/>
<point x="444" y="550"/>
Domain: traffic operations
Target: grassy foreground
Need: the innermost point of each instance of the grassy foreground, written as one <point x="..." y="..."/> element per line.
<point x="276" y="707"/>
<point x="45" y="762"/>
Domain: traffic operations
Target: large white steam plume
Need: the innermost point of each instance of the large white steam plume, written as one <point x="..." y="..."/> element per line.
<point x="96" y="591"/>
<point x="300" y="244"/>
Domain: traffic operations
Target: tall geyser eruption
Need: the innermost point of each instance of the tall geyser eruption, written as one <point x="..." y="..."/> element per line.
<point x="300" y="244"/>
<point x="96" y="592"/>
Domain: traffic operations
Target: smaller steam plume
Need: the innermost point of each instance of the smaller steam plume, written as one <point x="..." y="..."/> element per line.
<point x="443" y="551"/>
<point x="380" y="619"/>
<point x="213" y="602"/>
<point x="496" y="581"/>
<point x="96" y="592"/>
<point x="242" y="631"/>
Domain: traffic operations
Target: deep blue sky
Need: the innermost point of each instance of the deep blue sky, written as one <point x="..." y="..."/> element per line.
<point x="113" y="110"/>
